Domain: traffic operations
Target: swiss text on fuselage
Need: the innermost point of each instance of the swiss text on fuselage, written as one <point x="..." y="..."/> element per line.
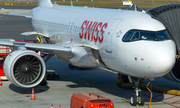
<point x="93" y="31"/>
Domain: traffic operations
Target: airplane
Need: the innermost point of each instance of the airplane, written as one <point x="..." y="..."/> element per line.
<point x="125" y="41"/>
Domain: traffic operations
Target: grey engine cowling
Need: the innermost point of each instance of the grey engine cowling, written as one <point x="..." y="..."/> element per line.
<point x="24" y="68"/>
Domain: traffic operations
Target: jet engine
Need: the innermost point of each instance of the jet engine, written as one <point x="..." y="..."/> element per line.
<point x="174" y="74"/>
<point x="24" y="68"/>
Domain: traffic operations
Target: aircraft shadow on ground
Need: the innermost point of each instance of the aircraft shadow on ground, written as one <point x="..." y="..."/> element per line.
<point x="104" y="81"/>
<point x="99" y="84"/>
<point x="37" y="89"/>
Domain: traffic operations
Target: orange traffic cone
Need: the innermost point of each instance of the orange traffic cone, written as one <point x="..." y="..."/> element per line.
<point x="33" y="96"/>
<point x="0" y="81"/>
<point x="51" y="105"/>
<point x="59" y="105"/>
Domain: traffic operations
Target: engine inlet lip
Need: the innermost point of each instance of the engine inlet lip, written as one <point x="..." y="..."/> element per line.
<point x="42" y="72"/>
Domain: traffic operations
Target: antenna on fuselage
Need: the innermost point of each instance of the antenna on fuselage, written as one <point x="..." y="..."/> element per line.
<point x="71" y="3"/>
<point x="132" y="6"/>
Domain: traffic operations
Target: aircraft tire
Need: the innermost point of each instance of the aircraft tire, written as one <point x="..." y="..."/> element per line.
<point x="141" y="99"/>
<point x="133" y="100"/>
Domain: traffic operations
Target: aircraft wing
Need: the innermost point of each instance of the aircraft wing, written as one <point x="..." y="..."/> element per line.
<point x="15" y="15"/>
<point x="48" y="48"/>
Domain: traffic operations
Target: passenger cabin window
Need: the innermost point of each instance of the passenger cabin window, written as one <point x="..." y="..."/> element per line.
<point x="135" y="35"/>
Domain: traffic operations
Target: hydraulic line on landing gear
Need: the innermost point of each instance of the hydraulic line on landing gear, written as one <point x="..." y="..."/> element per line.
<point x="151" y="94"/>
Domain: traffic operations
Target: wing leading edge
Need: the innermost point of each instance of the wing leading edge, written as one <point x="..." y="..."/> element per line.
<point x="16" y="15"/>
<point x="48" y="48"/>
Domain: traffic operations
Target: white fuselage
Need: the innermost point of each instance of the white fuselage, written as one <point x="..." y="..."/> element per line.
<point x="104" y="29"/>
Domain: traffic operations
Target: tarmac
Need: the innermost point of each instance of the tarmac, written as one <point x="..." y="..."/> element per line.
<point x="59" y="91"/>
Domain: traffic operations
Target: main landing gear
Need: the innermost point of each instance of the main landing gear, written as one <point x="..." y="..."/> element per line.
<point x="137" y="98"/>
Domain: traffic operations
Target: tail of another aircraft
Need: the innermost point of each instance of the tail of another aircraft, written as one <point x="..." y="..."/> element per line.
<point x="45" y="3"/>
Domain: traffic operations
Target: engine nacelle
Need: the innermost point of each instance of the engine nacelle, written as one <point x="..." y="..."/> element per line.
<point x="24" y="68"/>
<point x="174" y="74"/>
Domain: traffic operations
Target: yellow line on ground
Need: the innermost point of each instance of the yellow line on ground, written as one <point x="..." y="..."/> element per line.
<point x="104" y="91"/>
<point x="152" y="103"/>
<point x="162" y="103"/>
<point x="83" y="82"/>
<point x="65" y="75"/>
<point x="126" y="100"/>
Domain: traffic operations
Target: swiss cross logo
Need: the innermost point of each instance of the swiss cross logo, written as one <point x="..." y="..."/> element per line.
<point x="93" y="31"/>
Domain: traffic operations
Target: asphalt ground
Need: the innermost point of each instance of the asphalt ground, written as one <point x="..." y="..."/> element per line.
<point x="59" y="91"/>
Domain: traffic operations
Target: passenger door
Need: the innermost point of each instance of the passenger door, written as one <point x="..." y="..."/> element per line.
<point x="111" y="31"/>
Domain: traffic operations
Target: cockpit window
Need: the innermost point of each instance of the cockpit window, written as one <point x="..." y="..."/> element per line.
<point x="127" y="35"/>
<point x="146" y="35"/>
<point x="135" y="35"/>
<point x="162" y="35"/>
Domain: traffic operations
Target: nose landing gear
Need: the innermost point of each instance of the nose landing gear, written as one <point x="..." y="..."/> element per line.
<point x="137" y="98"/>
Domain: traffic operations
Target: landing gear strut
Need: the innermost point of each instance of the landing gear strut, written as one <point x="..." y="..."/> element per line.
<point x="137" y="98"/>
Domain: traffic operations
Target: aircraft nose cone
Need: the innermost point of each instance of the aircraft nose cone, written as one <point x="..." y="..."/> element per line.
<point x="164" y="59"/>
